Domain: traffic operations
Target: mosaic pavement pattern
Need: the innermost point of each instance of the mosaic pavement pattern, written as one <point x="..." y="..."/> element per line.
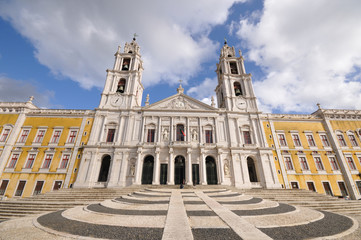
<point x="186" y="214"/>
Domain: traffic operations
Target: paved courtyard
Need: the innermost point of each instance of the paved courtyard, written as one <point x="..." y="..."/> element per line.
<point x="184" y="214"/>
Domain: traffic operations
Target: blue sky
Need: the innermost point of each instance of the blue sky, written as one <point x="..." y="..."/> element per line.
<point x="298" y="52"/>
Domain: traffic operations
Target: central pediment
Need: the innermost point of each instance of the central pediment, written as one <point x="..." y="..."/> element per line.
<point x="180" y="101"/>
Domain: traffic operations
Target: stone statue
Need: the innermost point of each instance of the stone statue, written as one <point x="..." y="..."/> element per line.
<point x="194" y="135"/>
<point x="165" y="134"/>
<point x="132" y="169"/>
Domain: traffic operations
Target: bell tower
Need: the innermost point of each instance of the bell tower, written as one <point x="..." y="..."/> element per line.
<point x="123" y="87"/>
<point x="234" y="90"/>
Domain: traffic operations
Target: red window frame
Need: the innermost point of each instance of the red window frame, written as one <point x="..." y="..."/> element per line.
<point x="341" y="140"/>
<point x="353" y="140"/>
<point x="310" y="140"/>
<point x="288" y="162"/>
<point x="72" y="136"/>
<point x="47" y="160"/>
<point x="5" y="135"/>
<point x="282" y="140"/>
<point x="351" y="164"/>
<point x="110" y="135"/>
<point x="40" y="136"/>
<point x="14" y="159"/>
<point x="324" y="140"/>
<point x="150" y="135"/>
<point x="247" y="137"/>
<point x="296" y="140"/>
<point x="30" y="161"/>
<point x="304" y="164"/>
<point x="64" y="161"/>
<point x="209" y="136"/>
<point x="334" y="164"/>
<point x="319" y="164"/>
<point x="24" y="135"/>
<point x="56" y="136"/>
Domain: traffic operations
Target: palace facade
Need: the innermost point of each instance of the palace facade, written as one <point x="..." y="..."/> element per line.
<point x="177" y="140"/>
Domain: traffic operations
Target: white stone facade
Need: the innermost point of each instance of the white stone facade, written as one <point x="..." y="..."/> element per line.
<point x="178" y="139"/>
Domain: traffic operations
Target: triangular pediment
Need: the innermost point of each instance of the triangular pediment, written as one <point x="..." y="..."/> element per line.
<point x="180" y="101"/>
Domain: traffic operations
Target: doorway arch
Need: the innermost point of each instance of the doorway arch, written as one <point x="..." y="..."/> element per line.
<point x="211" y="169"/>
<point x="252" y="170"/>
<point x="148" y="166"/>
<point x="179" y="169"/>
<point x="104" y="169"/>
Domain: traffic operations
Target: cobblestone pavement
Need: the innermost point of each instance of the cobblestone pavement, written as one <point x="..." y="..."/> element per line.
<point x="184" y="214"/>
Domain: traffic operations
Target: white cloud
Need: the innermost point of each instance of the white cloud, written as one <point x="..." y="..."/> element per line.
<point x="204" y="91"/>
<point x="12" y="90"/>
<point x="310" y="51"/>
<point x="77" y="39"/>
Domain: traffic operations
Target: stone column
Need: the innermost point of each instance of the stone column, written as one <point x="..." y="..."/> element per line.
<point x="138" y="167"/>
<point x="171" y="168"/>
<point x="221" y="169"/>
<point x="203" y="169"/>
<point x="156" y="168"/>
<point x="124" y="170"/>
<point x="189" y="167"/>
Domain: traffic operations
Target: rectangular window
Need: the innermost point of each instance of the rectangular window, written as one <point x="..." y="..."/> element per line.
<point x="56" y="136"/>
<point x="5" y="135"/>
<point x="13" y="160"/>
<point x="296" y="140"/>
<point x="353" y="140"/>
<point x="57" y="185"/>
<point x="319" y="164"/>
<point x="310" y="141"/>
<point x="282" y="140"/>
<point x="247" y="137"/>
<point x="40" y="136"/>
<point x="72" y="136"/>
<point x="110" y="136"/>
<point x="324" y="141"/>
<point x="288" y="163"/>
<point x="334" y="164"/>
<point x="30" y="161"/>
<point x="64" y="161"/>
<point x="304" y="164"/>
<point x="20" y="189"/>
<point x="38" y="187"/>
<point x="180" y="132"/>
<point x="24" y="136"/>
<point x="341" y="140"/>
<point x="209" y="136"/>
<point x="350" y="163"/>
<point x="3" y="187"/>
<point x="150" y="136"/>
<point x="47" y="160"/>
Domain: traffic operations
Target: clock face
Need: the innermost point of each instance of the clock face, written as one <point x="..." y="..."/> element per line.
<point x="116" y="100"/>
<point x="241" y="103"/>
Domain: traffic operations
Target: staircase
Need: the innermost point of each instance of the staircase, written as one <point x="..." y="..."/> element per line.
<point x="310" y="199"/>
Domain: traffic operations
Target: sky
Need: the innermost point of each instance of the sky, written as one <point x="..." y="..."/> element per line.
<point x="299" y="53"/>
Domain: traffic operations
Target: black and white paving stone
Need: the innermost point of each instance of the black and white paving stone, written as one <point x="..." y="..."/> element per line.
<point x="185" y="214"/>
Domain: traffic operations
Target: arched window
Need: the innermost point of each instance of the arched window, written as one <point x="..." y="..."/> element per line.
<point x="121" y="86"/>
<point x="237" y="88"/>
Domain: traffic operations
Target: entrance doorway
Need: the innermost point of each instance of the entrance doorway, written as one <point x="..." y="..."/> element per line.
<point x="57" y="185"/>
<point x="294" y="185"/>
<point x="252" y="170"/>
<point x="104" y="169"/>
<point x="179" y="169"/>
<point x="195" y="173"/>
<point x="343" y="189"/>
<point x="38" y="187"/>
<point x="148" y="165"/>
<point x="358" y="184"/>
<point x="211" y="169"/>
<point x="163" y="173"/>
<point x="327" y="188"/>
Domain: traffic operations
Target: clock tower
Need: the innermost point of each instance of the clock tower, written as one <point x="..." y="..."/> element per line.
<point x="123" y="86"/>
<point x="234" y="90"/>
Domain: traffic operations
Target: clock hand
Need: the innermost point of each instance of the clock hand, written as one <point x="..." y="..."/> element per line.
<point x="117" y="100"/>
